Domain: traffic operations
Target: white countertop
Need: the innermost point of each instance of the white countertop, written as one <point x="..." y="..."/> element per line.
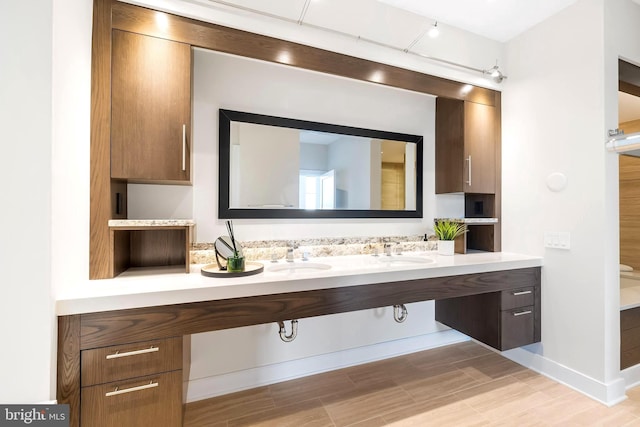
<point x="147" y="287"/>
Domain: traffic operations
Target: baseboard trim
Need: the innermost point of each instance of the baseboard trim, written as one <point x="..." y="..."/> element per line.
<point x="606" y="393"/>
<point x="631" y="376"/>
<point x="205" y="388"/>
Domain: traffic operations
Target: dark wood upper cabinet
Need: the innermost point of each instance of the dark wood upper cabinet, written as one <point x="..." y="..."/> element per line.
<point x="150" y="109"/>
<point x="465" y="147"/>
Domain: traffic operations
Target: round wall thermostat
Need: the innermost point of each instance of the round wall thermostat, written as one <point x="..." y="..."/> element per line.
<point x="557" y="181"/>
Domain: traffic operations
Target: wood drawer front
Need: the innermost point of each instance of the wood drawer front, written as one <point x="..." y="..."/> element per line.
<point x="514" y="298"/>
<point x="135" y="360"/>
<point x="630" y="318"/>
<point x="517" y="327"/>
<point x="157" y="405"/>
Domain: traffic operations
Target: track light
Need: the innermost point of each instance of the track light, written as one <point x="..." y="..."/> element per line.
<point x="495" y="73"/>
<point x="434" y="31"/>
<point x="621" y="143"/>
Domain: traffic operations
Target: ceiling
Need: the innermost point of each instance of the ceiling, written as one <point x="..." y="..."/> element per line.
<point x="499" y="20"/>
<point x="400" y="22"/>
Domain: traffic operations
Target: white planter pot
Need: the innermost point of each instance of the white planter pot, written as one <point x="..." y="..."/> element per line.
<point x="446" y="247"/>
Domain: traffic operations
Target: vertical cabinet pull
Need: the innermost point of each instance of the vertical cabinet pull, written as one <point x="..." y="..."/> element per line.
<point x="469" y="169"/>
<point x="184" y="147"/>
<point x="117" y="391"/>
<point x="117" y="354"/>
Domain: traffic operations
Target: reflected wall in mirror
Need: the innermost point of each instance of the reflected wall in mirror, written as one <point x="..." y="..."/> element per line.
<point x="274" y="167"/>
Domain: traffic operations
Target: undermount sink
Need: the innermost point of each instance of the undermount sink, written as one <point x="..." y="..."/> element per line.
<point x="299" y="267"/>
<point x="401" y="259"/>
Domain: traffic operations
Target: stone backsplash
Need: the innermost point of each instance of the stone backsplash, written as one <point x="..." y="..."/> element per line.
<point x="204" y="253"/>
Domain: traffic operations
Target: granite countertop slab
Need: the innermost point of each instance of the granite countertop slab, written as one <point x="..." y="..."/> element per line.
<point x="151" y="222"/>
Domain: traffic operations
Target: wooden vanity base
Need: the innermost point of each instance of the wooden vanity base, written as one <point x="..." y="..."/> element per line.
<point x="79" y="333"/>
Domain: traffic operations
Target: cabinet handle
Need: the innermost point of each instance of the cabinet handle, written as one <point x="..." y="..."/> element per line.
<point x="469" y="180"/>
<point x="515" y="294"/>
<point x="117" y="354"/>
<point x="522" y="313"/>
<point x="184" y="147"/>
<point x="117" y="391"/>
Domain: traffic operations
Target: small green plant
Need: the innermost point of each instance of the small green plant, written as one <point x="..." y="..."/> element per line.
<point x="449" y="230"/>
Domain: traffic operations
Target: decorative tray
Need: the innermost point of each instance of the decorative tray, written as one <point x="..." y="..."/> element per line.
<point x="250" y="268"/>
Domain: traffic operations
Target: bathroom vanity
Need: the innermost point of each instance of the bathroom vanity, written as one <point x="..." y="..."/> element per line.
<point x="123" y="345"/>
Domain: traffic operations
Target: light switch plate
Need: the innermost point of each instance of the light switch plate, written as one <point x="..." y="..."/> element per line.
<point x="557" y="240"/>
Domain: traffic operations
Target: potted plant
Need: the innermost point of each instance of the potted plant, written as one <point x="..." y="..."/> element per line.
<point x="447" y="231"/>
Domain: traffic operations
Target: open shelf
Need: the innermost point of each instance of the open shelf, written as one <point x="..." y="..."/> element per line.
<point x="150" y="243"/>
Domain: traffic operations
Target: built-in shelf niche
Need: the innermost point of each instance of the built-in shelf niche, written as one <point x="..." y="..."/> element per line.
<point x="134" y="245"/>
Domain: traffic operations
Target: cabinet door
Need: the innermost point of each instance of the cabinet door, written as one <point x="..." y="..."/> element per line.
<point x="449" y="145"/>
<point x="151" y="108"/>
<point x="479" y="148"/>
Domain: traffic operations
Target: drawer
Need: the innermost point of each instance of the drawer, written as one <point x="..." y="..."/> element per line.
<point x="147" y="401"/>
<point x="517" y="298"/>
<point x="106" y="364"/>
<point x="517" y="327"/>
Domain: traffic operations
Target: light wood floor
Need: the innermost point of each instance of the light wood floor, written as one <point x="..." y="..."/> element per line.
<point x="459" y="385"/>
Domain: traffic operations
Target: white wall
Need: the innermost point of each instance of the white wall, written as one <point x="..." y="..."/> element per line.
<point x="26" y="306"/>
<point x="557" y="106"/>
<point x="44" y="114"/>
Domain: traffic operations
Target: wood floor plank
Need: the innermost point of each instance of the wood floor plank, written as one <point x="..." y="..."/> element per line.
<point x="458" y="385"/>
<point x="397" y="368"/>
<point x="311" y="387"/>
<point x="208" y="412"/>
<point x="439" y="385"/>
<point x="453" y="415"/>
<point x="365" y="403"/>
<point x="310" y="413"/>
<point x="489" y="367"/>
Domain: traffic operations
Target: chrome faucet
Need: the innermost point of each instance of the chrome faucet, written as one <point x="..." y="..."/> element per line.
<point x="390" y="250"/>
<point x="387" y="249"/>
<point x="290" y="247"/>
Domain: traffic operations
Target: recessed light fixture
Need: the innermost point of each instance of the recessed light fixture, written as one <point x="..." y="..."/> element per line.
<point x="377" y="76"/>
<point x="284" y="57"/>
<point x="466" y="89"/>
<point x="434" y="31"/>
<point x="162" y="21"/>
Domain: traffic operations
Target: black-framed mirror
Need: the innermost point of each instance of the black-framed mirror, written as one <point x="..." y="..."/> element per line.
<point x="275" y="167"/>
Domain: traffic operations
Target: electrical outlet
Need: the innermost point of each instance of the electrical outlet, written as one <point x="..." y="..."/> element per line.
<point x="557" y="240"/>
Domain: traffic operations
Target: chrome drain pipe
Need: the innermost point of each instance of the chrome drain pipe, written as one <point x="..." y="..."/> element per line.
<point x="283" y="332"/>
<point x="400" y="313"/>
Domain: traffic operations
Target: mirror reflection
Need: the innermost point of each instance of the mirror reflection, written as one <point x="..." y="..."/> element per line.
<point x="279" y="168"/>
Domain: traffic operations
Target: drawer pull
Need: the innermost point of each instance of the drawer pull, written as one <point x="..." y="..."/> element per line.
<point x="515" y="294"/>
<point x="117" y="354"/>
<point x="522" y="313"/>
<point x="117" y="391"/>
